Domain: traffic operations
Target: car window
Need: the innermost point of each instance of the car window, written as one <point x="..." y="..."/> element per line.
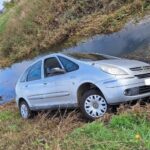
<point x="68" y="64"/>
<point x="35" y="72"/>
<point x="49" y="64"/>
<point x="24" y="76"/>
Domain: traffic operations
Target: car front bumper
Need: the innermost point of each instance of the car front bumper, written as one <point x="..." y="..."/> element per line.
<point x="115" y="90"/>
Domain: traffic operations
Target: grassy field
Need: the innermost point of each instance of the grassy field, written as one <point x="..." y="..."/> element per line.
<point x="29" y="28"/>
<point x="129" y="129"/>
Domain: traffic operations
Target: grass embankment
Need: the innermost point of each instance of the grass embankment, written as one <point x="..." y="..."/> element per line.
<point x="128" y="130"/>
<point x="33" y="27"/>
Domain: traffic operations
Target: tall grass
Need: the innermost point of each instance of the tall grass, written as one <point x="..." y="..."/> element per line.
<point x="67" y="130"/>
<point x="31" y="27"/>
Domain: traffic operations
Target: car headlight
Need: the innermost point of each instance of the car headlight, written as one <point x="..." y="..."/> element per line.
<point x="113" y="70"/>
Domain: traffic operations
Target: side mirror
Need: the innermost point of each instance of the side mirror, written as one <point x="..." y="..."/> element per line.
<point x="55" y="71"/>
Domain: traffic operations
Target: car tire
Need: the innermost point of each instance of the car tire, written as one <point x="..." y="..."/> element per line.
<point x="93" y="105"/>
<point x="25" y="111"/>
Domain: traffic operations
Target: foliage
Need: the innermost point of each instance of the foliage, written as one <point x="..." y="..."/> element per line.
<point x="33" y="27"/>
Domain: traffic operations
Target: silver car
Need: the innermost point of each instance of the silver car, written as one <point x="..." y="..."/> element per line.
<point x="91" y="82"/>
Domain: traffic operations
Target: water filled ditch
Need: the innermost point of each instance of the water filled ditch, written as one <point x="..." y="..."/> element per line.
<point x="132" y="40"/>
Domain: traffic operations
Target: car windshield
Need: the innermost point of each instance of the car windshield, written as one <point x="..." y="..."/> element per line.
<point x="88" y="56"/>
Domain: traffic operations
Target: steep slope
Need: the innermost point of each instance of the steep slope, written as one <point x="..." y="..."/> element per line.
<point x="32" y="27"/>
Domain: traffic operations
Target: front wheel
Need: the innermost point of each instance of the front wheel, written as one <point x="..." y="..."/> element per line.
<point x="93" y="105"/>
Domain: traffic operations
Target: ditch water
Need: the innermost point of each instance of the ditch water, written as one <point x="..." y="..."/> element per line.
<point x="132" y="38"/>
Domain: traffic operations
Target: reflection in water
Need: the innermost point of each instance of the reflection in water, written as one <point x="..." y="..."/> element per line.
<point x="8" y="78"/>
<point x="129" y="39"/>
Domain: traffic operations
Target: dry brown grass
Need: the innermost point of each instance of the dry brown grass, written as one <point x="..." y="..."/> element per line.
<point x="36" y="26"/>
<point x="45" y="130"/>
<point x="48" y="129"/>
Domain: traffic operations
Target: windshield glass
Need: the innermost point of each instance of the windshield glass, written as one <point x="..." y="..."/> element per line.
<point x="88" y="56"/>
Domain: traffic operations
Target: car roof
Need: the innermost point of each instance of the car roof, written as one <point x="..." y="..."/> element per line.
<point x="44" y="57"/>
<point x="64" y="54"/>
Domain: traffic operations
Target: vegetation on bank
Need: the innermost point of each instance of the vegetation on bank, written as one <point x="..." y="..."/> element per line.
<point x="29" y="28"/>
<point x="124" y="132"/>
<point x="67" y="130"/>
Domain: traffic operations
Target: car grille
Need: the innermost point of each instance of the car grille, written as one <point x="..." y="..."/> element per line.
<point x="142" y="68"/>
<point x="141" y="76"/>
<point x="137" y="90"/>
<point x="144" y="89"/>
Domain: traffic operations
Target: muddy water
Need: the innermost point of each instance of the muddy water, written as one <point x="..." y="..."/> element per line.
<point x="133" y="40"/>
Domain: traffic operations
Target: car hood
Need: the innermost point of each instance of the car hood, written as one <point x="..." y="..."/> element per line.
<point x="125" y="63"/>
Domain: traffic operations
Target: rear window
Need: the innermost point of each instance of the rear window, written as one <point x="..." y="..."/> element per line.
<point x="24" y="76"/>
<point x="35" y="72"/>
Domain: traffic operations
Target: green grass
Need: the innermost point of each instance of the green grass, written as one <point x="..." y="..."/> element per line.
<point x="4" y="18"/>
<point x="6" y="115"/>
<point x="3" y="21"/>
<point x="119" y="134"/>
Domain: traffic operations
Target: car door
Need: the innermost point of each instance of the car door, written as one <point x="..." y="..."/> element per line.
<point x="69" y="79"/>
<point x="33" y="86"/>
<point x="57" y="90"/>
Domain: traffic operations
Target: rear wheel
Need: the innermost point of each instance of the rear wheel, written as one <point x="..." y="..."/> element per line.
<point x="93" y="105"/>
<point x="25" y="111"/>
